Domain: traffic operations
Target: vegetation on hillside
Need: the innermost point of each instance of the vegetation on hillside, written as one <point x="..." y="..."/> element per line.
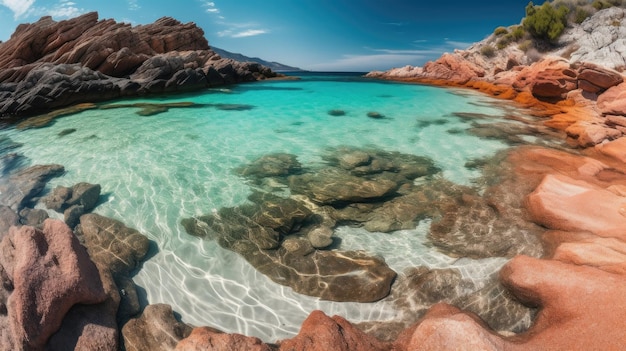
<point x="543" y="24"/>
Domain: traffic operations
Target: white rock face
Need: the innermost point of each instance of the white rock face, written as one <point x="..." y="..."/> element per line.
<point x="600" y="39"/>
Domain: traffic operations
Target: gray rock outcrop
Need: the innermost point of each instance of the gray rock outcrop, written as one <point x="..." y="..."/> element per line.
<point x="48" y="65"/>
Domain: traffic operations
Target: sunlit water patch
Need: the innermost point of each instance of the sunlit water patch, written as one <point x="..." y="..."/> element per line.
<point x="156" y="170"/>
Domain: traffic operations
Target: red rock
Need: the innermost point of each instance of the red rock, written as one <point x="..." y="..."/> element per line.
<point x="615" y="121"/>
<point x="582" y="308"/>
<point x="321" y="333"/>
<point x="453" y="68"/>
<point x="600" y="77"/>
<point x="50" y="272"/>
<point x="615" y="149"/>
<point x="446" y="328"/>
<point x="205" y="339"/>
<point x="589" y="134"/>
<point x="613" y="101"/>
<point x="566" y="204"/>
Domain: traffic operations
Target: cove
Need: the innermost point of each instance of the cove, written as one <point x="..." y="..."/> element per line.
<point x="159" y="169"/>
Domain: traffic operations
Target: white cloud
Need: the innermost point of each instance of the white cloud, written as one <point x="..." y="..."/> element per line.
<point x="210" y="7"/>
<point x="249" y="33"/>
<point x="370" y="62"/>
<point x="458" y="44"/>
<point x="63" y="9"/>
<point x="19" y="7"/>
<point x="384" y="59"/>
<point x="133" y="5"/>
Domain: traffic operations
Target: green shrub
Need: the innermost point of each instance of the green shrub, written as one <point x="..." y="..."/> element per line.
<point x="488" y="51"/>
<point x="518" y="33"/>
<point x="615" y="2"/>
<point x="581" y="15"/>
<point x="599" y="5"/>
<point x="526" y="45"/>
<point x="545" y="22"/>
<point x="500" y="31"/>
<point x="502" y="43"/>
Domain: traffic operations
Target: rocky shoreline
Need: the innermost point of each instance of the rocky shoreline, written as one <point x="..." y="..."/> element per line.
<point x="68" y="284"/>
<point x="48" y="65"/>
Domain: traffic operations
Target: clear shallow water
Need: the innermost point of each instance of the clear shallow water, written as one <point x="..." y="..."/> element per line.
<point x="157" y="170"/>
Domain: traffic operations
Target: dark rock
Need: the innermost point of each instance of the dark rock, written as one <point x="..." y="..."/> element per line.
<point x="205" y="338"/>
<point x="337" y="113"/>
<point x="72" y="214"/>
<point x="32" y="217"/>
<point x="375" y="115"/>
<point x="81" y="194"/>
<point x="272" y="165"/>
<point x="8" y="218"/>
<point x="267" y="234"/>
<point x="86" y="195"/>
<point x="129" y="305"/>
<point x="402" y="168"/>
<point x="111" y="244"/>
<point x="65" y="132"/>
<point x="332" y="186"/>
<point x="48" y="64"/>
<point x="156" y="329"/>
<point x="57" y="199"/>
<point x="22" y="186"/>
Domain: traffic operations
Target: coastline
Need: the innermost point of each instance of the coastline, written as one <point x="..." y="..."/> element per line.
<point x="579" y="197"/>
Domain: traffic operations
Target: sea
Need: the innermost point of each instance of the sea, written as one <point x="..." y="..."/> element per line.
<point x="158" y="169"/>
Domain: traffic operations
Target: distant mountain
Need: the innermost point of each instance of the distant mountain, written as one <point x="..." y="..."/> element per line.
<point x="275" y="66"/>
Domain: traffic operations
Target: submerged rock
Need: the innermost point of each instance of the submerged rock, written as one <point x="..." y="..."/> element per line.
<point x="375" y="115"/>
<point x="155" y="329"/>
<point x="269" y="235"/>
<point x="23" y="185"/>
<point x="333" y="186"/>
<point x="205" y="338"/>
<point x="113" y="245"/>
<point x="337" y="113"/>
<point x="272" y="165"/>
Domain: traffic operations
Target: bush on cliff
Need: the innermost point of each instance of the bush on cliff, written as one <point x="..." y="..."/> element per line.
<point x="545" y="22"/>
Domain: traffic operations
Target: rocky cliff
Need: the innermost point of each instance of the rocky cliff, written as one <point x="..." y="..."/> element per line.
<point x="48" y="64"/>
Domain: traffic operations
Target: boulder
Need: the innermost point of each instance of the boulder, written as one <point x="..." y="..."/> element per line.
<point x="33" y="217"/>
<point x="615" y="149"/>
<point x="446" y="328"/>
<point x="572" y="298"/>
<point x="270" y="234"/>
<point x="47" y="64"/>
<point x="563" y="203"/>
<point x="454" y="68"/>
<point x="91" y="327"/>
<point x="22" y="186"/>
<point x="50" y="272"/>
<point x="320" y="332"/>
<point x="155" y="329"/>
<point x="73" y="202"/>
<point x="271" y="165"/>
<point x="8" y="218"/>
<point x="111" y="244"/>
<point x="333" y="186"/>
<point x="613" y="101"/>
<point x="597" y="78"/>
<point x="205" y="338"/>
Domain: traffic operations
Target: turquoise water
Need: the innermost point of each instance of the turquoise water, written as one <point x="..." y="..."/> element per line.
<point x="156" y="170"/>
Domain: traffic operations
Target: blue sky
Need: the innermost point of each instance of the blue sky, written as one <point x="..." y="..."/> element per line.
<point x="334" y="35"/>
